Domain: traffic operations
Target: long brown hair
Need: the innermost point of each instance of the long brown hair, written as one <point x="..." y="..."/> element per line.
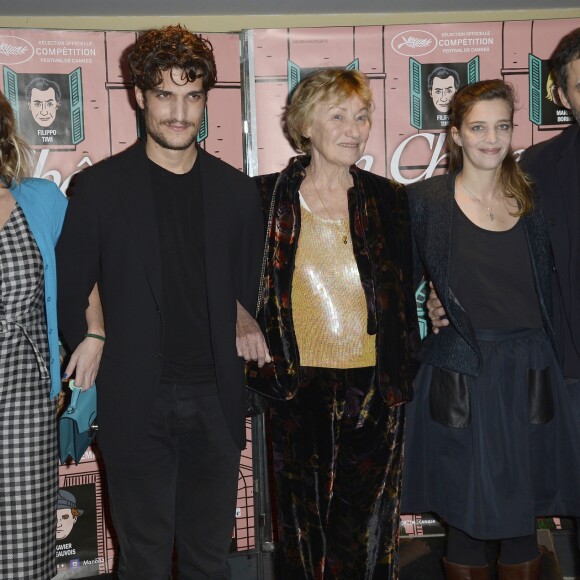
<point x="15" y="155"/>
<point x="514" y="183"/>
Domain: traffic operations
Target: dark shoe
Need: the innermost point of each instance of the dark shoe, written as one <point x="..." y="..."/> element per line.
<point x="524" y="571"/>
<point x="460" y="572"/>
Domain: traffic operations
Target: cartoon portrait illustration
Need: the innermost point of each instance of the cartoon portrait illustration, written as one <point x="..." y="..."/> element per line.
<point x="432" y="87"/>
<point x="49" y="107"/>
<point x="43" y="98"/>
<point x="552" y="90"/>
<point x="544" y="106"/>
<point x="76" y="528"/>
<point x="67" y="513"/>
<point x="442" y="84"/>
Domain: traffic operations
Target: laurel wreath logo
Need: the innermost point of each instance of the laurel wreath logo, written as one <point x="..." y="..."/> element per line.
<point x="414" y="42"/>
<point x="12" y="49"/>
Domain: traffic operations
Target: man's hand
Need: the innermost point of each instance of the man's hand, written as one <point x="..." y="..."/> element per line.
<point x="86" y="358"/>
<point x="436" y="311"/>
<point x="84" y="362"/>
<point x="250" y="341"/>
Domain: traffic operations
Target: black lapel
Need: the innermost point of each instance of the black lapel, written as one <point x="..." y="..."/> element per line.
<point x="538" y="240"/>
<point x="438" y="229"/>
<point x="568" y="176"/>
<point x="215" y="203"/>
<point x="136" y="194"/>
<point x="439" y="236"/>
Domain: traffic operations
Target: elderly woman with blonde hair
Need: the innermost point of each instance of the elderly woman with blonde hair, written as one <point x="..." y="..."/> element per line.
<point x="339" y="317"/>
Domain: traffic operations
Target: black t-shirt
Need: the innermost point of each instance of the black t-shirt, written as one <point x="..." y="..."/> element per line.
<point x="491" y="276"/>
<point x="187" y="352"/>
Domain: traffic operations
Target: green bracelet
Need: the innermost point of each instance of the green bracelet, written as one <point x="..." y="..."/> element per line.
<point x="97" y="336"/>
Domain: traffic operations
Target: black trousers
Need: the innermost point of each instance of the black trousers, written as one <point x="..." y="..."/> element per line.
<point x="181" y="483"/>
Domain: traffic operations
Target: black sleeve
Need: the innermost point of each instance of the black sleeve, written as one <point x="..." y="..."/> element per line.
<point x="77" y="255"/>
<point x="251" y="248"/>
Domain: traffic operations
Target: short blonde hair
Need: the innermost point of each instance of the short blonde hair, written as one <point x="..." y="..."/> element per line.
<point x="333" y="85"/>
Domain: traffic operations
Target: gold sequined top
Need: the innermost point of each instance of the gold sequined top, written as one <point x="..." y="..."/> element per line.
<point x="328" y="303"/>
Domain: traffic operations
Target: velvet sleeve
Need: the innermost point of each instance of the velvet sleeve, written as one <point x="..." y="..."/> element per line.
<point x="406" y="254"/>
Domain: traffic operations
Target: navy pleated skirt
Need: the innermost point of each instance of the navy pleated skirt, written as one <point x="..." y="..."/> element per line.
<point x="491" y="453"/>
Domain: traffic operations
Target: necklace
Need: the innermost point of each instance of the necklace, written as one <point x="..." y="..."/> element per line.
<point x="490" y="213"/>
<point x="344" y="236"/>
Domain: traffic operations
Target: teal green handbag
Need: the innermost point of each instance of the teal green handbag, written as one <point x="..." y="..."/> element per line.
<point x="76" y="425"/>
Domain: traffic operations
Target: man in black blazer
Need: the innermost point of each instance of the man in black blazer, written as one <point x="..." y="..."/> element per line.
<point x="174" y="239"/>
<point x="554" y="166"/>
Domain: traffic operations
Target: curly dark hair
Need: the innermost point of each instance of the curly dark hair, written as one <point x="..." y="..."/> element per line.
<point x="568" y="49"/>
<point x="170" y="47"/>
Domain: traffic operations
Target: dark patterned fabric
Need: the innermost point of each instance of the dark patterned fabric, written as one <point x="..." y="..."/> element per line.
<point x="28" y="451"/>
<point x="337" y="452"/>
<point x="381" y="237"/>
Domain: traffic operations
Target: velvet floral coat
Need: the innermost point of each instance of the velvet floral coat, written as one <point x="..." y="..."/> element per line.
<point x="381" y="236"/>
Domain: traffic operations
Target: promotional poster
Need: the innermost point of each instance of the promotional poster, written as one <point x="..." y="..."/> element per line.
<point x="414" y="71"/>
<point x="74" y="103"/>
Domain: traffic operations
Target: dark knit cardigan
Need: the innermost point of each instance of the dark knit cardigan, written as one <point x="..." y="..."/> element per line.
<point x="382" y="245"/>
<point x="455" y="347"/>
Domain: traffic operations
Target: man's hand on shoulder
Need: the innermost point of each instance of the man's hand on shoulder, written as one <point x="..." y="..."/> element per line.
<point x="250" y="341"/>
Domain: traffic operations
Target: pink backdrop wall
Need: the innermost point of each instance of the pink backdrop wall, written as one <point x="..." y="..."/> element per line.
<point x="407" y="150"/>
